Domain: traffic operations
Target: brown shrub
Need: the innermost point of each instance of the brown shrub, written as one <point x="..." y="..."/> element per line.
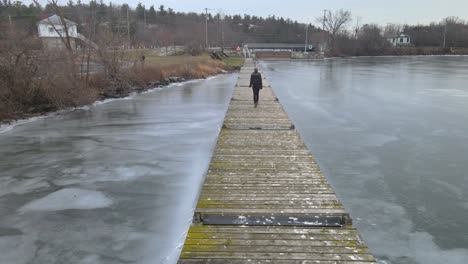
<point x="32" y="81"/>
<point x="143" y="75"/>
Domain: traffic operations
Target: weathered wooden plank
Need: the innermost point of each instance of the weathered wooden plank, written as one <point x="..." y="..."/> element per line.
<point x="274" y="176"/>
<point x="289" y="243"/>
<point x="218" y="177"/>
<point x="268" y="195"/>
<point x="342" y="238"/>
<point x="285" y="194"/>
<point x="291" y="212"/>
<point x="271" y="208"/>
<point x="274" y="249"/>
<point x="313" y="174"/>
<point x="278" y="135"/>
<point x="250" y="202"/>
<point x="266" y="162"/>
<point x="265" y="181"/>
<point x="267" y="187"/>
<point x="259" y="152"/>
<point x="267" y="261"/>
<point x="304" y="165"/>
<point x="273" y="229"/>
<point x="275" y="158"/>
<point x="244" y="108"/>
<point x="278" y="174"/>
<point x="275" y="179"/>
<point x="297" y="185"/>
<point x="212" y="179"/>
<point x="269" y="199"/>
<point x="219" y="170"/>
<point x="281" y="255"/>
<point x="241" y="106"/>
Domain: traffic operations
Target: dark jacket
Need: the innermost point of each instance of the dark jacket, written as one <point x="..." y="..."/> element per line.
<point x="256" y="81"/>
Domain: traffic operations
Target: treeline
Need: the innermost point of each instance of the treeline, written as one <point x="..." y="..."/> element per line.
<point x="446" y="37"/>
<point x="454" y="29"/>
<point x="161" y="26"/>
<point x="151" y="26"/>
<point x="347" y="36"/>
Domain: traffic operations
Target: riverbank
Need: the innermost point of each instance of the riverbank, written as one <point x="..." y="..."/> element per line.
<point x="154" y="72"/>
<point x="401" y="51"/>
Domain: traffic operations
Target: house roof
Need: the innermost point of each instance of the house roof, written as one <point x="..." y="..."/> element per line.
<point x="56" y="20"/>
<point x="402" y="35"/>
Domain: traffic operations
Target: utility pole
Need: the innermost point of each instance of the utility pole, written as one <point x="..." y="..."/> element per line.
<point x="324" y="18"/>
<point x="222" y="35"/>
<point x="128" y="30"/>
<point x="206" y="28"/>
<point x="221" y="17"/>
<point x="445" y="34"/>
<point x="144" y="17"/>
<point x="306" y="38"/>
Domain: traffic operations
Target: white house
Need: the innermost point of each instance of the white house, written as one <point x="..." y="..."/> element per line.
<point x="52" y="29"/>
<point x="401" y="40"/>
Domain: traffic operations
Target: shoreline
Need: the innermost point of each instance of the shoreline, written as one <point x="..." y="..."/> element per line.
<point x="367" y="56"/>
<point x="6" y="126"/>
<point x="62" y="93"/>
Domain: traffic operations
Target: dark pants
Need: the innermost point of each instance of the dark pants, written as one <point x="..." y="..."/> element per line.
<point x="256" y="94"/>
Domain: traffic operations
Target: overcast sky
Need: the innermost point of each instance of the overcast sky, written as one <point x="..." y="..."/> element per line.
<point x="377" y="11"/>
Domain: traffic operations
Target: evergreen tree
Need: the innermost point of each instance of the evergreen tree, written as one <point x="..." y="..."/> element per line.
<point x="162" y="12"/>
<point x="152" y="15"/>
<point x="140" y="11"/>
<point x="124" y="8"/>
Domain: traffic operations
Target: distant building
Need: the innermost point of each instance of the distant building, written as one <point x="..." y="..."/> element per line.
<point x="321" y="39"/>
<point x="253" y="47"/>
<point x="401" y="40"/>
<point x="52" y="29"/>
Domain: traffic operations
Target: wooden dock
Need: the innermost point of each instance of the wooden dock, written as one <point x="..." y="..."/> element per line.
<point x="264" y="199"/>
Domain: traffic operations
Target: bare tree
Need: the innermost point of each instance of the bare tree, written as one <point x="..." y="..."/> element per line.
<point x="392" y="30"/>
<point x="371" y="40"/>
<point x="335" y="22"/>
<point x="357" y="27"/>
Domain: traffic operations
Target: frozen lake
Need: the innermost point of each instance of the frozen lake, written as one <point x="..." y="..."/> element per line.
<point x="391" y="135"/>
<point x="116" y="183"/>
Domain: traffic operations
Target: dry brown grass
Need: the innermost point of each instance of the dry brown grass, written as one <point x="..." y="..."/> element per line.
<point x="191" y="70"/>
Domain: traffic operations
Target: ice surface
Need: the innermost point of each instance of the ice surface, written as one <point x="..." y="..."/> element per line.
<point x="115" y="182"/>
<point x="67" y="199"/>
<point x="389" y="134"/>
